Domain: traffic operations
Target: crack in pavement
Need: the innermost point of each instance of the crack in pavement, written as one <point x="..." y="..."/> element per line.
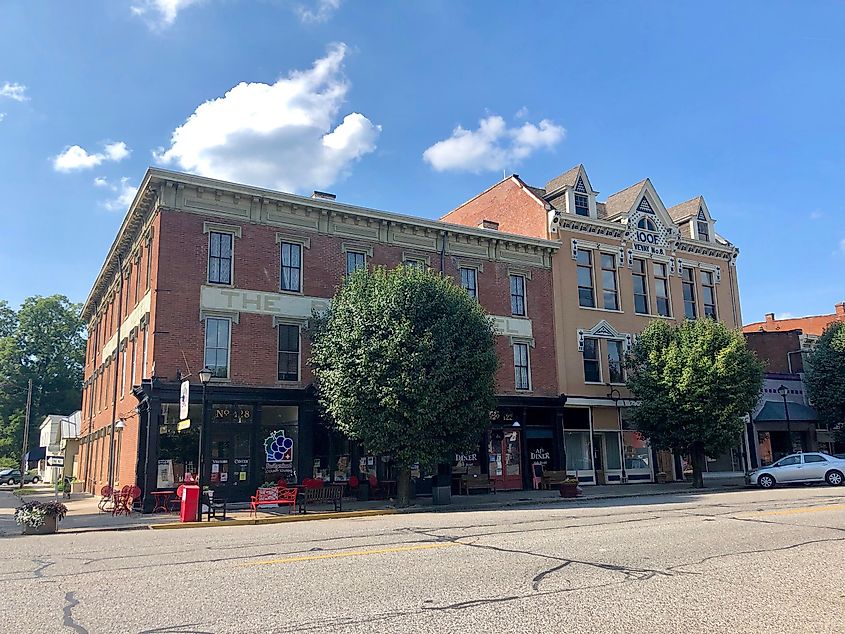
<point x="71" y="602"/>
<point x="535" y="582"/>
<point x="38" y="573"/>
<point x="175" y="629"/>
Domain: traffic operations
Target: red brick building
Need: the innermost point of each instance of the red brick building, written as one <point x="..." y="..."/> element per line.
<point x="209" y="273"/>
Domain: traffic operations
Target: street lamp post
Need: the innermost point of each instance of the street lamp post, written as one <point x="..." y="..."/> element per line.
<point x="205" y="377"/>
<point x="616" y="396"/>
<point x="783" y="391"/>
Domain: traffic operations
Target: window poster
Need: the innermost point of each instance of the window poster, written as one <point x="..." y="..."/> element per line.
<point x="165" y="474"/>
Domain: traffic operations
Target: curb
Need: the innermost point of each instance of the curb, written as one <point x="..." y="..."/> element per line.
<point x="282" y="519"/>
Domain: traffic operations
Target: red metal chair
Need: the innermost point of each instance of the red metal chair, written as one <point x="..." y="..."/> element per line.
<point x="105" y="498"/>
<point x="374" y="490"/>
<point x="134" y="496"/>
<point x="121" y="501"/>
<point x="175" y="504"/>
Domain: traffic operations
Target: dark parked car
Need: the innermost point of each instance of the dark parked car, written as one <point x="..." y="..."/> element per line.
<point x="13" y="476"/>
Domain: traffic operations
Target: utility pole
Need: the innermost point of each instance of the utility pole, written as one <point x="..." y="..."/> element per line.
<point x="26" y="431"/>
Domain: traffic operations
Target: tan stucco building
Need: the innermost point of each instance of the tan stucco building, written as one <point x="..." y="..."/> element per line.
<point x="622" y="263"/>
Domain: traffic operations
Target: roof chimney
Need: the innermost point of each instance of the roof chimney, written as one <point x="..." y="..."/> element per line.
<point x="770" y="317"/>
<point x="323" y="195"/>
<point x="489" y="224"/>
<point x="840" y="309"/>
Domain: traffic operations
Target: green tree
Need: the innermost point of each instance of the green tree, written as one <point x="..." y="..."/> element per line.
<point x="405" y="364"/>
<point x="826" y="378"/>
<point x="46" y="345"/>
<point x="695" y="382"/>
<point x="8" y="319"/>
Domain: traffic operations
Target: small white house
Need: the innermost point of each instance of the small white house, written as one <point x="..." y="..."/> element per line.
<point x="59" y="436"/>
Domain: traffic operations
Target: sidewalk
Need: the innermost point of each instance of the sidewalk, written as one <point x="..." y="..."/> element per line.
<point x="84" y="516"/>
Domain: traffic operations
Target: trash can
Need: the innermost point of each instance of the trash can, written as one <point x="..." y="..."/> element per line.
<point x="190" y="503"/>
<point x="363" y="491"/>
<point x="441" y="488"/>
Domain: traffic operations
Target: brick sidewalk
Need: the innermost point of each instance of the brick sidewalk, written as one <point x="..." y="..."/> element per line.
<point x="83" y="514"/>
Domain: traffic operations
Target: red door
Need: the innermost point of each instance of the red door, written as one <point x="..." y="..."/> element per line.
<point x="505" y="458"/>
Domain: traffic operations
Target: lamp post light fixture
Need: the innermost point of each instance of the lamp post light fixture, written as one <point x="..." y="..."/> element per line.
<point x="205" y="376"/>
<point x="616" y="396"/>
<point x="783" y="391"/>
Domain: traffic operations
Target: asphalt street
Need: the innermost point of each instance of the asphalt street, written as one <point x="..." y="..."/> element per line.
<point x="742" y="561"/>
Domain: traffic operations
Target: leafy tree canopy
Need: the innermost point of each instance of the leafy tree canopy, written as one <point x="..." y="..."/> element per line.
<point x="45" y="342"/>
<point x="405" y="364"/>
<point x="695" y="382"/>
<point x="826" y="377"/>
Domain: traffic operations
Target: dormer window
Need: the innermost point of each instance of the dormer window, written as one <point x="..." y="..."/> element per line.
<point x="702" y="226"/>
<point x="647" y="224"/>
<point x="582" y="205"/>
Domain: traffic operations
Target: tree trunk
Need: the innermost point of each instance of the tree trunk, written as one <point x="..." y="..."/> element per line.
<point x="403" y="487"/>
<point x="698" y="458"/>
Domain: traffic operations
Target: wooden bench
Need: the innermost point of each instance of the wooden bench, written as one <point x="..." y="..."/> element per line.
<point x="332" y="493"/>
<point x="276" y="495"/>
<point x="473" y="482"/>
<point x="554" y="478"/>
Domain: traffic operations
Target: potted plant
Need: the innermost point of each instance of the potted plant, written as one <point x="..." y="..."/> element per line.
<point x="40" y="518"/>
<point x="569" y="488"/>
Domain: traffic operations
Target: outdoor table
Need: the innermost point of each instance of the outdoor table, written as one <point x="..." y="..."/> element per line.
<point x="162" y="499"/>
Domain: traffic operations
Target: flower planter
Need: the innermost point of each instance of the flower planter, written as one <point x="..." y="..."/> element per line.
<point x="50" y="525"/>
<point x="568" y="490"/>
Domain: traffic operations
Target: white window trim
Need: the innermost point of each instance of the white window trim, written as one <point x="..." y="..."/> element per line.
<point x="282" y="240"/>
<point x="231" y="321"/>
<point x="234" y="235"/>
<point x="298" y="325"/>
<point x="525" y="279"/>
<point x="470" y="268"/>
<point x="598" y="360"/>
<point x="528" y="344"/>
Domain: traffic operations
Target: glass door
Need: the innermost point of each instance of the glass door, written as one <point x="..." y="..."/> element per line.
<point x="230" y="465"/>
<point x="504" y="451"/>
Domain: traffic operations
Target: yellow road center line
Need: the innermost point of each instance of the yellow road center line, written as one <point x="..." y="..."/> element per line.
<point x="810" y="509"/>
<point x="352" y="553"/>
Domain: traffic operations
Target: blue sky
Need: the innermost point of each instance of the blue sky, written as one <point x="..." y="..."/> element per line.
<point x="739" y="102"/>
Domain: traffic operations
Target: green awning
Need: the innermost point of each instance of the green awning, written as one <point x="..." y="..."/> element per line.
<point x="773" y="412"/>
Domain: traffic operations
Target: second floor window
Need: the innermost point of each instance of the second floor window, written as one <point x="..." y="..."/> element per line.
<point x="640" y="279"/>
<point x="610" y="293"/>
<point x="586" y="295"/>
<point x="518" y="295"/>
<point x="217" y="346"/>
<point x="355" y="260"/>
<point x="592" y="365"/>
<point x="522" y="376"/>
<point x="469" y="281"/>
<point x="291" y="267"/>
<point x="615" y="361"/>
<point x="219" y="258"/>
<point x="708" y="294"/>
<point x="288" y="353"/>
<point x="582" y="205"/>
<point x="661" y="290"/>
<point x="688" y="280"/>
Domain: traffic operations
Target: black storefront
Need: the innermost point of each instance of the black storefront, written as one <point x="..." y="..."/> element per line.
<point x="265" y="434"/>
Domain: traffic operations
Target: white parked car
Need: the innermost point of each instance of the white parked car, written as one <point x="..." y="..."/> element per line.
<point x="799" y="467"/>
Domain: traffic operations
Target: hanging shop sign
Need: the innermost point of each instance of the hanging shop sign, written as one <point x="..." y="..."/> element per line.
<point x="184" y="399"/>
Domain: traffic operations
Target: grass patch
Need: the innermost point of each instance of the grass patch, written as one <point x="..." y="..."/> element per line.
<point x="24" y="491"/>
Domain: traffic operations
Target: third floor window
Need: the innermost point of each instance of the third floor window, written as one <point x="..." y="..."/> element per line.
<point x="582" y="205"/>
<point x="219" y="258"/>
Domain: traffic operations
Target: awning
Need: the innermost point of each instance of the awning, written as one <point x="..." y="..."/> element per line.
<point x="773" y="411"/>
<point x="36" y="453"/>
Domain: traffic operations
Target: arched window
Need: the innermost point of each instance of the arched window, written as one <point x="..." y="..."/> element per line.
<point x="647" y="224"/>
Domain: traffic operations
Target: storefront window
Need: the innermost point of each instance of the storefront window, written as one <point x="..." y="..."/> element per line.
<point x="178" y="450"/>
<point x="613" y="458"/>
<point x="636" y="449"/>
<point x="279" y="442"/>
<point x="577" y="444"/>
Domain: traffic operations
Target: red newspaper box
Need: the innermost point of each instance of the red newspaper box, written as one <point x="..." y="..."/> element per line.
<point x="190" y="502"/>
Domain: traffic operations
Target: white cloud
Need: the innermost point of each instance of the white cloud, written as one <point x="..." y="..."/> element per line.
<point x="14" y="91"/>
<point x="320" y="11"/>
<point x="123" y="192"/>
<point x="493" y="146"/>
<point x="277" y="135"/>
<point x="161" y="13"/>
<point x="2" y="116"/>
<point x="816" y="215"/>
<point x="784" y="316"/>
<point x="522" y="112"/>
<point x="76" y="157"/>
